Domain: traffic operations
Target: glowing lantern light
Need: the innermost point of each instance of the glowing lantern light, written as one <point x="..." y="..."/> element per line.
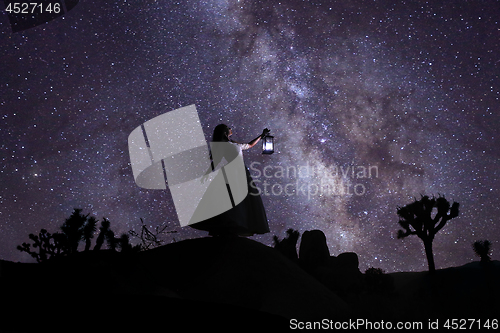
<point x="268" y="144"/>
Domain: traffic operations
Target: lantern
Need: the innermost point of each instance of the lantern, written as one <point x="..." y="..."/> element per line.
<point x="268" y="144"/>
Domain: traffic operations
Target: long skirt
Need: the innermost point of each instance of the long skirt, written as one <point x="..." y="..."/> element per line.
<point x="245" y="219"/>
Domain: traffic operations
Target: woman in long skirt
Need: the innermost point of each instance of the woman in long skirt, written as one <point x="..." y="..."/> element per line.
<point x="247" y="217"/>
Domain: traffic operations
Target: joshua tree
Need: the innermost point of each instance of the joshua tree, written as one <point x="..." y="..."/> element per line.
<point x="42" y="242"/>
<point x="103" y="232"/>
<point x="416" y="219"/>
<point x="482" y="249"/>
<point x="88" y="230"/>
<point x="76" y="228"/>
<point x="49" y="245"/>
<point x="73" y="229"/>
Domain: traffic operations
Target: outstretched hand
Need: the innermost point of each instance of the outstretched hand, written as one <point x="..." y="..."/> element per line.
<point x="265" y="132"/>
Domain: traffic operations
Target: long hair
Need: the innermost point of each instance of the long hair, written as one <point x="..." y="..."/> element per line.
<point x="221" y="133"/>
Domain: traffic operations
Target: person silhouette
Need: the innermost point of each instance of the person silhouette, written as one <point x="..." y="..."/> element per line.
<point x="247" y="217"/>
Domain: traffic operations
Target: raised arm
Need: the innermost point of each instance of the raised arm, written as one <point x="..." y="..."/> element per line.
<point x="257" y="139"/>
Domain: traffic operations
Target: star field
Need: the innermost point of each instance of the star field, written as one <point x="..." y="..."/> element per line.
<point x="411" y="88"/>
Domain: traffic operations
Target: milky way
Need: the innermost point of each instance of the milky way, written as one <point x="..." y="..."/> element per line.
<point x="376" y="102"/>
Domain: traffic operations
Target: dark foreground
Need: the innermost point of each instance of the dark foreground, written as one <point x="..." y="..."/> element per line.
<point x="228" y="283"/>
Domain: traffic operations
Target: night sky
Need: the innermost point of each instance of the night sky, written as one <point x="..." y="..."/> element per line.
<point x="410" y="89"/>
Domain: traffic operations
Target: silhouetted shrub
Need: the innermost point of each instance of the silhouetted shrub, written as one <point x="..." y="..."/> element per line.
<point x="377" y="281"/>
<point x="125" y="246"/>
<point x="482" y="249"/>
<point x="88" y="231"/>
<point x="103" y="231"/>
<point x="149" y="239"/>
<point x="372" y="271"/>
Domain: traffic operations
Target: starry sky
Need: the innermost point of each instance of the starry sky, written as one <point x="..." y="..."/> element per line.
<point x="406" y="89"/>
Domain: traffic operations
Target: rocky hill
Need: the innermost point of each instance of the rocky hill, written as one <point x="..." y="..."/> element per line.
<point x="233" y="283"/>
<point x="200" y="283"/>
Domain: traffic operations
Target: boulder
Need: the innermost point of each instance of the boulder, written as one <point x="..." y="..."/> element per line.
<point x="344" y="260"/>
<point x="288" y="245"/>
<point x="341" y="275"/>
<point x="313" y="251"/>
